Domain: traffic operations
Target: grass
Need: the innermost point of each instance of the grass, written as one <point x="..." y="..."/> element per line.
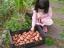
<point x="49" y="41"/>
<point x="53" y="0"/>
<point x="7" y="41"/>
<point x="60" y="10"/>
<point x="62" y="35"/>
<point x="59" y="22"/>
<point x="57" y="1"/>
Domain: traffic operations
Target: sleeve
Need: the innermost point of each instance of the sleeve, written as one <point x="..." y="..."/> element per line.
<point x="33" y="18"/>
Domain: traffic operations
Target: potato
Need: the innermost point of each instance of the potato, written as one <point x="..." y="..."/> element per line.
<point x="27" y="41"/>
<point x="31" y="36"/>
<point x="13" y="37"/>
<point x="19" y="35"/>
<point x="36" y="38"/>
<point x="23" y="36"/>
<point x="31" y="33"/>
<point x="37" y="35"/>
<point x="16" y="35"/>
<point x="40" y="38"/>
<point x="31" y="40"/>
<point x="16" y="44"/>
<point x="34" y="34"/>
<point x="24" y="33"/>
<point x="27" y="38"/>
<point x="27" y="33"/>
<point x="18" y="40"/>
<point x="21" y="43"/>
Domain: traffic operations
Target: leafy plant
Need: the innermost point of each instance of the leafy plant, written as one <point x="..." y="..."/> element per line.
<point x="7" y="40"/>
<point x="25" y="5"/>
<point x="17" y="23"/>
<point x="7" y="7"/>
<point x="49" y="41"/>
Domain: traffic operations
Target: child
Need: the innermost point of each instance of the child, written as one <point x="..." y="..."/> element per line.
<point x="41" y="18"/>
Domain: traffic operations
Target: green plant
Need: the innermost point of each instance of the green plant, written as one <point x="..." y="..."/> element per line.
<point x="28" y="20"/>
<point x="13" y="23"/>
<point x="49" y="41"/>
<point x="59" y="22"/>
<point x="25" y="5"/>
<point x="7" y="40"/>
<point x="7" y="7"/>
<point x="62" y="35"/>
<point x="17" y="23"/>
<point x="10" y="7"/>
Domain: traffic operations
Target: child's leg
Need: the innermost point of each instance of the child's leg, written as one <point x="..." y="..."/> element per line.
<point x="42" y="33"/>
<point x="40" y="29"/>
<point x="45" y="29"/>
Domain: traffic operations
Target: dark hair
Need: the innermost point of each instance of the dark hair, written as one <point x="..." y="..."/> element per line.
<point x="42" y="4"/>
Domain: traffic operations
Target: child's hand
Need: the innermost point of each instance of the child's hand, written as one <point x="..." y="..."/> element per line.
<point x="32" y="29"/>
<point x="38" y="23"/>
<point x="42" y="24"/>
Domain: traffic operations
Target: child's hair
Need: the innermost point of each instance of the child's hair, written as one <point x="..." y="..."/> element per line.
<point x="42" y="4"/>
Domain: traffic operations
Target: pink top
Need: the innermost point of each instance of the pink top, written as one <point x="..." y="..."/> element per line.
<point x="38" y="18"/>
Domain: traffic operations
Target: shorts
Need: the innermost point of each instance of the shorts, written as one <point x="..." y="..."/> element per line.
<point x="48" y="22"/>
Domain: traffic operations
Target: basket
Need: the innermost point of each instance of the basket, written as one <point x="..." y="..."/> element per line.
<point x="29" y="45"/>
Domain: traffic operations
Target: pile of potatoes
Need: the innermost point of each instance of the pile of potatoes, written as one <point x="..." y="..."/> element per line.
<point x="26" y="37"/>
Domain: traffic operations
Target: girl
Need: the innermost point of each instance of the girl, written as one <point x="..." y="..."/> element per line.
<point x="41" y="18"/>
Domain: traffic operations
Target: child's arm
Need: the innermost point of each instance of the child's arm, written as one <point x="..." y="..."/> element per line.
<point x="33" y="19"/>
<point x="42" y="24"/>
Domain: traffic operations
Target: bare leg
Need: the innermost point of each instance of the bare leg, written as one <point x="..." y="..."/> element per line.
<point x="45" y="29"/>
